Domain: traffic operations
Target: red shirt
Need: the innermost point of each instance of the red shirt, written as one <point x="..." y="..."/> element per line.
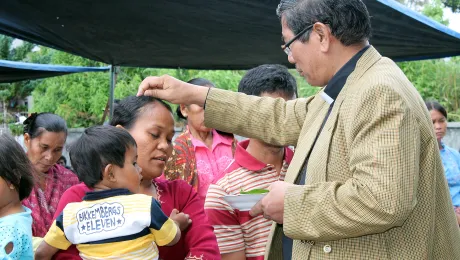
<point x="236" y="230"/>
<point x="197" y="242"/>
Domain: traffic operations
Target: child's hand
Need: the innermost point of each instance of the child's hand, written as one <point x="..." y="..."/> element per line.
<point x="183" y="220"/>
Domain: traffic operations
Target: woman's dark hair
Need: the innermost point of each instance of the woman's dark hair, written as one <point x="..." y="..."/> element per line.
<point x="128" y="110"/>
<point x="434" y="105"/>
<point x="36" y="124"/>
<point x="96" y="148"/>
<point x="15" y="167"/>
<point x="199" y="82"/>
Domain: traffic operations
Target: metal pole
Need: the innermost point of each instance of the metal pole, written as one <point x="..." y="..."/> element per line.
<point x="111" y="90"/>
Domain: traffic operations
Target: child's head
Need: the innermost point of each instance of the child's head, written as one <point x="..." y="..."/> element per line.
<point x="271" y="80"/>
<point x="106" y="156"/>
<point x="16" y="179"/>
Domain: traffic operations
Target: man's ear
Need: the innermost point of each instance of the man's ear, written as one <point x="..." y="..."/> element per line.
<point x="324" y="34"/>
<point x="108" y="174"/>
<point x="120" y="126"/>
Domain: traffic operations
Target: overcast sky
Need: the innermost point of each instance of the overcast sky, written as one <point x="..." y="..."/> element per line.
<point x="454" y="19"/>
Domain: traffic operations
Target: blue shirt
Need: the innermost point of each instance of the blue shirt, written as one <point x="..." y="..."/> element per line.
<point x="17" y="229"/>
<point x="451" y="162"/>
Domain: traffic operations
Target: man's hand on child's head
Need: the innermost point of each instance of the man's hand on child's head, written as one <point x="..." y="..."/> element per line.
<point x="183" y="220"/>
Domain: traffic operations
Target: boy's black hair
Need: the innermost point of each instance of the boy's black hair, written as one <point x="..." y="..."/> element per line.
<point x="15" y="167"/>
<point x="268" y="78"/>
<point x="96" y="148"/>
<point x="128" y="110"/>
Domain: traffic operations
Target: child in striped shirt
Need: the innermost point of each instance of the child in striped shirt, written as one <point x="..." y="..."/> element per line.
<point x="256" y="165"/>
<point x="112" y="221"/>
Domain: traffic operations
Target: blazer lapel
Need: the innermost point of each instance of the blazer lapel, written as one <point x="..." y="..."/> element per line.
<point x="306" y="143"/>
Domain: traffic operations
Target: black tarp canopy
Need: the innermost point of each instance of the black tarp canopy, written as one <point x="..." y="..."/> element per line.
<point x="200" y="34"/>
<point x="11" y="71"/>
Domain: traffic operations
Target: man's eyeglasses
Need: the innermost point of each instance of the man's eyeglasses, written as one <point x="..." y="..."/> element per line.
<point x="286" y="48"/>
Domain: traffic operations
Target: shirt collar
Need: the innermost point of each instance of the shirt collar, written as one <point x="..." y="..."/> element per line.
<point x="246" y="160"/>
<point x="216" y="139"/>
<point x="335" y="85"/>
<point x="97" y="195"/>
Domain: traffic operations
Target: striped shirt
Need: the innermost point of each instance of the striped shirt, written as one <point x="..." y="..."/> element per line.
<point x="237" y="230"/>
<point x="113" y="224"/>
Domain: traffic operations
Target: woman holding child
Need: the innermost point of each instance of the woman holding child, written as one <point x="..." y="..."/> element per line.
<point x="151" y="124"/>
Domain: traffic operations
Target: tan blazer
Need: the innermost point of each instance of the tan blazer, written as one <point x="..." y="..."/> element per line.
<point x="375" y="185"/>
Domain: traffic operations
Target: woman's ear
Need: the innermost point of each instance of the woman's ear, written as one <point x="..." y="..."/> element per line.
<point x="27" y="140"/>
<point x="120" y="126"/>
<point x="108" y="174"/>
<point x="183" y="110"/>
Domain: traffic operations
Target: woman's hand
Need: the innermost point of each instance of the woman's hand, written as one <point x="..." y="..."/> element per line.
<point x="183" y="220"/>
<point x="173" y="90"/>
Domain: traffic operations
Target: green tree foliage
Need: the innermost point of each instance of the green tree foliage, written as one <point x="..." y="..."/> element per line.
<point x="435" y="11"/>
<point x="437" y="79"/>
<point x="418" y="5"/>
<point x="80" y="98"/>
<point x="7" y="52"/>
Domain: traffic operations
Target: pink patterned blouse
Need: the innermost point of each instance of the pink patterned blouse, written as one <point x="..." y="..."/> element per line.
<point x="210" y="163"/>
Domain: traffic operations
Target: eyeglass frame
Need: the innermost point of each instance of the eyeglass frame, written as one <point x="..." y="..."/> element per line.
<point x="285" y="46"/>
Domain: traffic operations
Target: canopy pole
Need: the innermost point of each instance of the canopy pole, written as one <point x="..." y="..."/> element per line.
<point x="111" y="90"/>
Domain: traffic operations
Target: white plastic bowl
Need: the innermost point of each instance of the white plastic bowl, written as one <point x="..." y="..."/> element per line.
<point x="243" y="202"/>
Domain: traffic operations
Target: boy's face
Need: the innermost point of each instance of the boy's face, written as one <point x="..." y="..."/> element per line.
<point x="129" y="177"/>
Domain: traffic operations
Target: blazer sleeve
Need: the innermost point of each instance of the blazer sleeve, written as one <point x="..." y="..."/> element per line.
<point x="384" y="143"/>
<point x="274" y="121"/>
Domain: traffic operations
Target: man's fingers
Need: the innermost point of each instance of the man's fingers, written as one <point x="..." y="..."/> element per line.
<point x="148" y="84"/>
<point x="257" y="209"/>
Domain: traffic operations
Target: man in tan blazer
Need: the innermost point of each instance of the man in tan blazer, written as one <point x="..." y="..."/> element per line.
<point x="366" y="180"/>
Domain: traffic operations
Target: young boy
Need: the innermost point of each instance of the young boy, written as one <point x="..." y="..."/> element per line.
<point x="255" y="166"/>
<point x="112" y="222"/>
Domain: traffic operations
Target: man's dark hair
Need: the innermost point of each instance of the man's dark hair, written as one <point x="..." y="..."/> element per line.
<point x="434" y="105"/>
<point x="269" y="78"/>
<point x="349" y="20"/>
<point x="96" y="148"/>
<point x="128" y="110"/>
<point x="15" y="167"/>
<point x="36" y="124"/>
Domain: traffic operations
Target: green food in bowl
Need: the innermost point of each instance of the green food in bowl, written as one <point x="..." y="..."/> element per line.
<point x="254" y="191"/>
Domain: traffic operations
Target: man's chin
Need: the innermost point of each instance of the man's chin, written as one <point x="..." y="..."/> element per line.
<point x="272" y="146"/>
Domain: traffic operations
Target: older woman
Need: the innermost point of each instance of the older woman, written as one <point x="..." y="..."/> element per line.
<point x="450" y="157"/>
<point x="200" y="154"/>
<point x="44" y="137"/>
<point x="151" y="123"/>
